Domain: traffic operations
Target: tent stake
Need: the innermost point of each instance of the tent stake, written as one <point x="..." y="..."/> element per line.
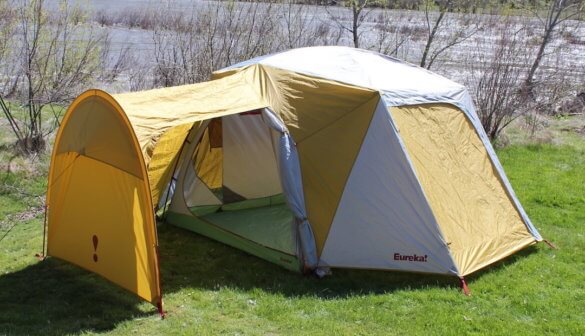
<point x="551" y="245"/>
<point x="466" y="290"/>
<point x="41" y="256"/>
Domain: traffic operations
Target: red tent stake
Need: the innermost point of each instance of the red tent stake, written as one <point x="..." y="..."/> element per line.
<point x="466" y="290"/>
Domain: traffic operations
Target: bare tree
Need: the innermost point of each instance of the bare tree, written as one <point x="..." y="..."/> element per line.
<point x="358" y="15"/>
<point x="390" y="37"/>
<point x="557" y="12"/>
<point x="189" y="48"/>
<point x="56" y="56"/>
<point x="300" y="27"/>
<point x="7" y="28"/>
<point x="444" y="19"/>
<point x="496" y="78"/>
<point x="297" y="25"/>
<point x="7" y="31"/>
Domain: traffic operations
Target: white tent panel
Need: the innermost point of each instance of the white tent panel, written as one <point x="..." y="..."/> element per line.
<point x="250" y="168"/>
<point x="384" y="220"/>
<point x="195" y="191"/>
<point x="361" y="68"/>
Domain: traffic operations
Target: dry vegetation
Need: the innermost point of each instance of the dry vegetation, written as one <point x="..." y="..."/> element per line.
<point x="515" y="65"/>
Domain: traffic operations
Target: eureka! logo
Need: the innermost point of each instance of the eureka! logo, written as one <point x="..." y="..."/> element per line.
<point x="413" y="257"/>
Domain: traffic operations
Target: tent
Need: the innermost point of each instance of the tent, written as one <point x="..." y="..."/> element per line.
<point x="313" y="158"/>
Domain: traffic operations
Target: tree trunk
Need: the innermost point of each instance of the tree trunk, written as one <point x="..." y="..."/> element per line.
<point x="355" y="26"/>
<point x="529" y="83"/>
<point x="423" y="61"/>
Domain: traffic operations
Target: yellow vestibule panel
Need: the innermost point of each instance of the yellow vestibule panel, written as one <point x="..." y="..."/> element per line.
<point x="100" y="213"/>
<point x="98" y="223"/>
<point x="474" y="211"/>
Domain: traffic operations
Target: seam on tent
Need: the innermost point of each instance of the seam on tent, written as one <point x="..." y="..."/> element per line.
<point x="68" y="166"/>
<point x="352" y="166"/>
<point x="421" y="189"/>
<point x="111" y="165"/>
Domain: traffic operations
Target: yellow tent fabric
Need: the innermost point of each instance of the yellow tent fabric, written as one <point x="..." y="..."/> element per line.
<point x="100" y="212"/>
<point x="166" y="115"/>
<point x="477" y="216"/>
<point x="208" y="160"/>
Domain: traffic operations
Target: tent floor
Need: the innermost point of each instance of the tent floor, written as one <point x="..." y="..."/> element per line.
<point x="265" y="232"/>
<point x="268" y="226"/>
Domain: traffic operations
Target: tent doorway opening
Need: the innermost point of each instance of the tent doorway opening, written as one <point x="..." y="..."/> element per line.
<point x="229" y="188"/>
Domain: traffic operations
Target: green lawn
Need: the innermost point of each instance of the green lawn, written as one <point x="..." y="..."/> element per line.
<point x="213" y="289"/>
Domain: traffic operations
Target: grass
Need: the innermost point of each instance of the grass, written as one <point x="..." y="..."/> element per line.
<point x="213" y="289"/>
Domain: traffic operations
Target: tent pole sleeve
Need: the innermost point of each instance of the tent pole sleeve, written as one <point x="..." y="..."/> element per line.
<point x="292" y="187"/>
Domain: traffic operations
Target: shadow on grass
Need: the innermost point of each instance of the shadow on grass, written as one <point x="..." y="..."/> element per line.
<point x="189" y="260"/>
<point x="55" y="298"/>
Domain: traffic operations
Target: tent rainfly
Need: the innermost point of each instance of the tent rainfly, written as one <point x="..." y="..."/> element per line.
<point x="310" y="158"/>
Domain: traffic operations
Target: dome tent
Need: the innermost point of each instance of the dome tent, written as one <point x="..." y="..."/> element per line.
<point x="310" y="158"/>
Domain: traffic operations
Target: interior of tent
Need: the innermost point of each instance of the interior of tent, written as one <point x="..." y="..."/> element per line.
<point x="230" y="184"/>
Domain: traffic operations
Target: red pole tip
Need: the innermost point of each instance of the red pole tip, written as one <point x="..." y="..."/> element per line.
<point x="466" y="290"/>
<point x="160" y="310"/>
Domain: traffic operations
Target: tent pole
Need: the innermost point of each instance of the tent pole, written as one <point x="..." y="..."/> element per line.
<point x="41" y="256"/>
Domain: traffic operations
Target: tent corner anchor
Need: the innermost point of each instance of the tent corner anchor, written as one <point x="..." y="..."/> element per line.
<point x="551" y="245"/>
<point x="40" y="256"/>
<point x="161" y="312"/>
<point x="464" y="286"/>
